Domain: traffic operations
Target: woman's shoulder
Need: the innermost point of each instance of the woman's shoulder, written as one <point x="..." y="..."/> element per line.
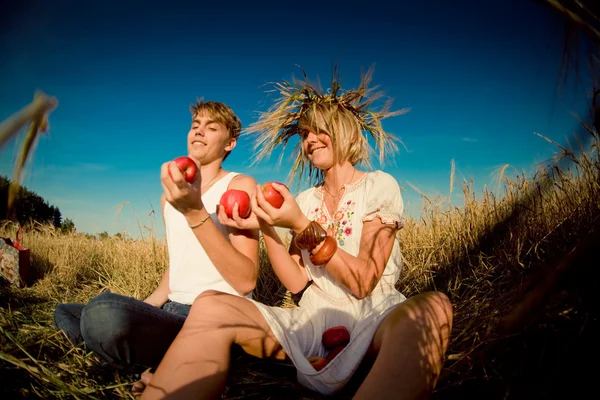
<point x="379" y="178"/>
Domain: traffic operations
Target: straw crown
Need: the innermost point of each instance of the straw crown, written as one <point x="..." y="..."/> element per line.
<point x="279" y="124"/>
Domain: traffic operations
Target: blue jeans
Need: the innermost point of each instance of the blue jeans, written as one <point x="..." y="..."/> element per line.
<point x="124" y="331"/>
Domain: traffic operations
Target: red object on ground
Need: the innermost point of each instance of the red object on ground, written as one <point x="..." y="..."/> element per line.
<point x="317" y="362"/>
<point x="336" y="336"/>
<point x="334" y="353"/>
<point x="16" y="243"/>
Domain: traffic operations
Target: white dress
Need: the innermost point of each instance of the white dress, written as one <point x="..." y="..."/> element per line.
<point x="326" y="303"/>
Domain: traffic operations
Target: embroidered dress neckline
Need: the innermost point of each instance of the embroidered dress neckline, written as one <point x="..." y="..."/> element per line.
<point x="349" y="187"/>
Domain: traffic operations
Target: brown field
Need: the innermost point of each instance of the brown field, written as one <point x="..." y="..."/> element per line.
<point x="524" y="316"/>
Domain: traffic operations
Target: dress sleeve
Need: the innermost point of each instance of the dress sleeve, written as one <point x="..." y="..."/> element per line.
<point x="301" y="198"/>
<point x="384" y="200"/>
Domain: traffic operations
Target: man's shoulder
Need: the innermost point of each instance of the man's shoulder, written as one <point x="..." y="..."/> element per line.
<point x="243" y="182"/>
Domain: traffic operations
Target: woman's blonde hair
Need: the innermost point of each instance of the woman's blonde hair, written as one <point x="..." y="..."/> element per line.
<point x="345" y="116"/>
<point x="343" y="128"/>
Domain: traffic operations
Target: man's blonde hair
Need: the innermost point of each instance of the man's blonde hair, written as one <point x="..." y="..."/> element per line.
<point x="221" y="113"/>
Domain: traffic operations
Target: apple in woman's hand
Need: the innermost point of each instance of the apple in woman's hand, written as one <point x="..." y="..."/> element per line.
<point x="188" y="168"/>
<point x="317" y="362"/>
<point x="272" y="195"/>
<point x="336" y="336"/>
<point x="232" y="196"/>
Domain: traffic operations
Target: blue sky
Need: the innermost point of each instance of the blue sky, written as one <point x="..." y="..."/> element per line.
<point x="479" y="77"/>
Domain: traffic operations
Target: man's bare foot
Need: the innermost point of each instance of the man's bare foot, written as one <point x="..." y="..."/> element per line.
<point x="140" y="385"/>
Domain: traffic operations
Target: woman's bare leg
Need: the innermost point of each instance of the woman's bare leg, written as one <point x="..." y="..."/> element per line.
<point x="196" y="364"/>
<point x="410" y="345"/>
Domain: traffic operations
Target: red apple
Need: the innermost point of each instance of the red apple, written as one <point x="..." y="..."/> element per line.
<point x="232" y="196"/>
<point x="19" y="235"/>
<point x="334" y="353"/>
<point x="272" y="195"/>
<point x="188" y="168"/>
<point x="336" y="336"/>
<point x="317" y="362"/>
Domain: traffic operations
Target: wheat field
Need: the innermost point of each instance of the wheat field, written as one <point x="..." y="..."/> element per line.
<point x="492" y="255"/>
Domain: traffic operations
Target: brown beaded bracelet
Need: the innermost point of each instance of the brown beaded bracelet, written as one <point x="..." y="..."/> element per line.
<point x="325" y="253"/>
<point x="310" y="237"/>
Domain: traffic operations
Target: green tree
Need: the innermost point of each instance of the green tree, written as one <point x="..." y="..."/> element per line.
<point x="57" y="217"/>
<point x="28" y="206"/>
<point x="68" y="226"/>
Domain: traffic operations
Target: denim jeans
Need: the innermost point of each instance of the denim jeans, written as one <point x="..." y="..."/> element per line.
<point x="124" y="331"/>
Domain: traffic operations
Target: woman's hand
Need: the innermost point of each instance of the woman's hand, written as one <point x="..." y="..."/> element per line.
<point x="236" y="221"/>
<point x="183" y="196"/>
<point x="288" y="215"/>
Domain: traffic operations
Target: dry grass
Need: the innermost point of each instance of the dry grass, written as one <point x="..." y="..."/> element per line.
<point x="491" y="253"/>
<point x="486" y="255"/>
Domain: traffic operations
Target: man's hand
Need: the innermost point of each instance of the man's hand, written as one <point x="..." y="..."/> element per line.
<point x="236" y="221"/>
<point x="181" y="195"/>
<point x="160" y="296"/>
<point x="153" y="302"/>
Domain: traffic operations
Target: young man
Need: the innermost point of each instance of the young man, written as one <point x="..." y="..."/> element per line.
<point x="203" y="254"/>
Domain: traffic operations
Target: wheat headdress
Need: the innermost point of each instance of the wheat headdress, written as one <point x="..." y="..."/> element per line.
<point x="300" y="98"/>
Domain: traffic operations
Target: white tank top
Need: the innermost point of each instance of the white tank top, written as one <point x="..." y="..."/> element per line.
<point x="191" y="271"/>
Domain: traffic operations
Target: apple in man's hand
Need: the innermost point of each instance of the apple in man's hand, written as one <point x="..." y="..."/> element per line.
<point x="232" y="196"/>
<point x="188" y="168"/>
<point x="317" y="362"/>
<point x="336" y="336"/>
<point x="272" y="195"/>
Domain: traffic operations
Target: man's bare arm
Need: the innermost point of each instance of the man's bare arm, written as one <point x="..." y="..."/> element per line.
<point x="161" y="294"/>
<point x="237" y="258"/>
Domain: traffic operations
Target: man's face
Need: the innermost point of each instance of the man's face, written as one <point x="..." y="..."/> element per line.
<point x="208" y="140"/>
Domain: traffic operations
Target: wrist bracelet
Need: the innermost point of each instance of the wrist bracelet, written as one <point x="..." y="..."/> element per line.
<point x="325" y="253"/>
<point x="200" y="223"/>
<point x="310" y="237"/>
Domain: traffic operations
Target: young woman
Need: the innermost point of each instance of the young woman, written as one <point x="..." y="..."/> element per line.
<point x="344" y="241"/>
